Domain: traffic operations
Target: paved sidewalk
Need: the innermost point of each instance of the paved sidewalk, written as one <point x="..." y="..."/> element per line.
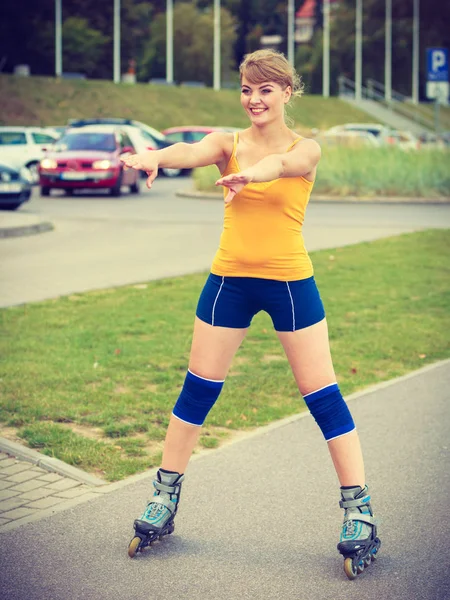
<point x="29" y="492"/>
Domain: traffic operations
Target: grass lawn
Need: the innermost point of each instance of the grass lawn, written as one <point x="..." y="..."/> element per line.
<point x="92" y="378"/>
<point x="52" y="101"/>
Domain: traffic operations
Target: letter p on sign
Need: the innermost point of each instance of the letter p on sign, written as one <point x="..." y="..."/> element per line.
<point x="437" y="60"/>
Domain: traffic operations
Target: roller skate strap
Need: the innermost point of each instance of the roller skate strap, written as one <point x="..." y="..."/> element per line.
<point x="354" y="503"/>
<point x="169" y="489"/>
<point x="357" y="516"/>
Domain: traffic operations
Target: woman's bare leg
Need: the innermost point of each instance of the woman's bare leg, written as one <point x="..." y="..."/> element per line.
<point x="308" y="352"/>
<point x="212" y="352"/>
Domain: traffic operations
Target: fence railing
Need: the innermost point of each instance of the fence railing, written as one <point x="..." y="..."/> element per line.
<point x="399" y="103"/>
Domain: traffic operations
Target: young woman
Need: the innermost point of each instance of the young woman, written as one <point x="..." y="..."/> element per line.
<point x="268" y="172"/>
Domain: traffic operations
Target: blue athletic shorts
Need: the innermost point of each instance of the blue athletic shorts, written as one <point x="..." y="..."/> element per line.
<point x="234" y="301"/>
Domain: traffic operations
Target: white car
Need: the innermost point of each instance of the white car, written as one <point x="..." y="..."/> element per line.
<point x="381" y="132"/>
<point x="352" y="139"/>
<point x="25" y="146"/>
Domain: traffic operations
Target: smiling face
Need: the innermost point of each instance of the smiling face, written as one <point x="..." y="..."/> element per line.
<point x="264" y="102"/>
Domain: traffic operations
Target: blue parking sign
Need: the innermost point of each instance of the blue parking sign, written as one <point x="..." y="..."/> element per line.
<point x="437" y="64"/>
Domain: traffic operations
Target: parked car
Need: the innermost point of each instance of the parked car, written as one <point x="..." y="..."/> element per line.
<point x="142" y="141"/>
<point x="188" y="134"/>
<point x="193" y="133"/>
<point x="15" y="186"/>
<point x="351" y="139"/>
<point x="89" y="158"/>
<point x="25" y="146"/>
<point x="405" y="140"/>
<point x="381" y="132"/>
<point x="149" y="138"/>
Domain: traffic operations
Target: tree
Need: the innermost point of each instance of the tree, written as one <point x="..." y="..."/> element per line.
<point x="83" y="46"/>
<point x="193" y="45"/>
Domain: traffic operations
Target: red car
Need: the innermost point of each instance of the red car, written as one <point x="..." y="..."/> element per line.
<point x="189" y="134"/>
<point x="192" y="133"/>
<point x="88" y="158"/>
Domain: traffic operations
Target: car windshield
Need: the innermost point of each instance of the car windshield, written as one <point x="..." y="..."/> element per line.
<point x="87" y="141"/>
<point x="151" y="131"/>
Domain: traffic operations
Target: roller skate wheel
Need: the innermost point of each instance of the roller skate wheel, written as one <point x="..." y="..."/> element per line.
<point x="134" y="546"/>
<point x="360" y="567"/>
<point x="349" y="570"/>
<point x="367" y="560"/>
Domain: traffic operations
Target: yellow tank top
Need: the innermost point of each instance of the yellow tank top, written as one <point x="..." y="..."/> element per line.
<point x="262" y="232"/>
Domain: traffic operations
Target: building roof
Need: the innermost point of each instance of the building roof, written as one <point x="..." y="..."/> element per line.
<point x="308" y="9"/>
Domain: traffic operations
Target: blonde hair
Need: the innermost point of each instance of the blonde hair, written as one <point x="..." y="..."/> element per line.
<point x="270" y="65"/>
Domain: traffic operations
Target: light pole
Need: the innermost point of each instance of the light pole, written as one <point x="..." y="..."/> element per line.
<point x="388" y="53"/>
<point x="358" y="51"/>
<point x="116" y="50"/>
<point x="415" y="61"/>
<point x="217" y="57"/>
<point x="58" y="38"/>
<point x="326" y="49"/>
<point x="290" y="32"/>
<point x="169" y="41"/>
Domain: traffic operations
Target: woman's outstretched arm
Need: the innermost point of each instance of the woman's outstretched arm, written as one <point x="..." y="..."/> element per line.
<point x="209" y="151"/>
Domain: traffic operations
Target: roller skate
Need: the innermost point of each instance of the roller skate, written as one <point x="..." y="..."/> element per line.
<point x="359" y="542"/>
<point x="157" y="520"/>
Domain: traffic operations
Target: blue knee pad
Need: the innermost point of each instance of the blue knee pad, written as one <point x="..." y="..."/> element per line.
<point x="330" y="411"/>
<point x="196" y="399"/>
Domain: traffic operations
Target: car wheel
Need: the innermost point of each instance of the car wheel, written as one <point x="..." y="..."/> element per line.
<point x="116" y="190"/>
<point x="45" y="191"/>
<point x="134" y="188"/>
<point x="33" y="168"/>
<point x="172" y="172"/>
<point x="10" y="206"/>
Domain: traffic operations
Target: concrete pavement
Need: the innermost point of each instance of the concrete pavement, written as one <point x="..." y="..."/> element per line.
<point x="259" y="518"/>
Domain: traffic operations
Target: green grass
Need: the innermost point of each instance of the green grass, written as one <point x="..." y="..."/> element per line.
<point x="50" y="101"/>
<point x="369" y="172"/>
<point x="92" y="378"/>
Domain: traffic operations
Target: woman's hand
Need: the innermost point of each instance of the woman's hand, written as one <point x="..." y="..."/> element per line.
<point x="145" y="161"/>
<point x="235" y="182"/>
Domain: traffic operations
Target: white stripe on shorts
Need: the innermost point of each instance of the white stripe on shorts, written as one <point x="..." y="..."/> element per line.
<point x="292" y="305"/>
<point x="215" y="301"/>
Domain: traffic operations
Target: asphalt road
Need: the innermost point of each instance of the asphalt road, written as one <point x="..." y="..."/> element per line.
<point x="101" y="242"/>
<point x="259" y="519"/>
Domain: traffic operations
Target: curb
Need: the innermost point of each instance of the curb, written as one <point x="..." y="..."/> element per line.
<point x="22" y="230"/>
<point x="332" y="199"/>
<point x="48" y="463"/>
